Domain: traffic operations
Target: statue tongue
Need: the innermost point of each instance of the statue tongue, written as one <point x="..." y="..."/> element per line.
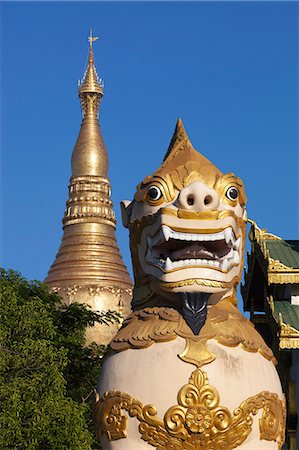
<point x="194" y="309"/>
<point x="193" y="251"/>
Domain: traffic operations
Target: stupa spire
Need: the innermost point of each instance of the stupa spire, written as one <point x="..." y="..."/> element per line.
<point x="88" y="267"/>
<point x="90" y="154"/>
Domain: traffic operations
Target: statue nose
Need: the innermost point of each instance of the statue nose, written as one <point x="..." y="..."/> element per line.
<point x="198" y="197"/>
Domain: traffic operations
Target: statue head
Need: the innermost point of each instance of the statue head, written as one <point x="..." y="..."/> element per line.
<point x="187" y="228"/>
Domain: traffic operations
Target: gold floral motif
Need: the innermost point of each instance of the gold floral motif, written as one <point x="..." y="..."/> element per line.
<point x="224" y="323"/>
<point x="94" y="290"/>
<point x="198" y="419"/>
<point x="196" y="422"/>
<point x="118" y="292"/>
<point x="71" y="292"/>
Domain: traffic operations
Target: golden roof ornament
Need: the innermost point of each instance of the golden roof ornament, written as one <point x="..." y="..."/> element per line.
<point x="88" y="267"/>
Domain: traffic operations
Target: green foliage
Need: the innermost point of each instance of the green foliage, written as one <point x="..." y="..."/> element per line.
<point x="47" y="376"/>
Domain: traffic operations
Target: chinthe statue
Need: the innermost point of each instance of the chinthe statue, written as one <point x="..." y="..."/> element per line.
<point x="187" y="370"/>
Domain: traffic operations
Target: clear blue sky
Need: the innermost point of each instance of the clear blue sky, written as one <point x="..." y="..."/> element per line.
<point x="230" y="70"/>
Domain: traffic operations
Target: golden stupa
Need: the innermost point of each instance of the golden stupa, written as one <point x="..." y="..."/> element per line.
<point x="88" y="267"/>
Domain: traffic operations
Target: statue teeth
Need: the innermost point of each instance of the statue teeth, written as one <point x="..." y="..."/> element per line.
<point x="236" y="257"/>
<point x="237" y="244"/>
<point x="228" y="235"/>
<point x="224" y="264"/>
<point x="168" y="264"/>
<point x="166" y="233"/>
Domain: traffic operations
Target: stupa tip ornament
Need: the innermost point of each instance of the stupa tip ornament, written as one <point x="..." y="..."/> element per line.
<point x="88" y="267"/>
<point x="209" y="381"/>
<point x="91" y="82"/>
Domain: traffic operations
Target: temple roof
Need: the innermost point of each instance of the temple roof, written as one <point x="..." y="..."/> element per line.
<point x="272" y="283"/>
<point x="281" y="257"/>
<point x="287" y="252"/>
<point x="286" y="316"/>
<point x="289" y="313"/>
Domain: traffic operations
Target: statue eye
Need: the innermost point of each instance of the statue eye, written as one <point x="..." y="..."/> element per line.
<point x="232" y="193"/>
<point x="154" y="193"/>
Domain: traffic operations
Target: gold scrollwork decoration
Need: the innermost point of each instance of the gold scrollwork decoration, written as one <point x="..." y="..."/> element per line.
<point x="196" y="422"/>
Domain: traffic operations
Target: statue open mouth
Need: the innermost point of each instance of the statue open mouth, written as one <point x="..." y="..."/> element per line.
<point x="170" y="249"/>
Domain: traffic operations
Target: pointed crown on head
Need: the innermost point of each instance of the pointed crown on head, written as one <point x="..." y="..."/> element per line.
<point x="182" y="165"/>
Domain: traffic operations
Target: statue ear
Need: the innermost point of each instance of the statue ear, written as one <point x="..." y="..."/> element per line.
<point x="126" y="208"/>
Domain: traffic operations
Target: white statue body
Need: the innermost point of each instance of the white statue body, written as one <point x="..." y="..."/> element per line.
<point x="187" y="370"/>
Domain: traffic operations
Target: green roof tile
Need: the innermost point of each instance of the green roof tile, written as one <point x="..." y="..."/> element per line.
<point x="285" y="252"/>
<point x="289" y="312"/>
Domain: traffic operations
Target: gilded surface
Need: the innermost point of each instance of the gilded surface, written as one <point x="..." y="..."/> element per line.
<point x="278" y="273"/>
<point x="88" y="267"/>
<point x="288" y="335"/>
<point x="89" y="200"/>
<point x="201" y="282"/>
<point x="71" y="292"/>
<point x="183" y="165"/>
<point x="149" y="214"/>
<point x="144" y="293"/>
<point x="187" y="226"/>
<point x="197" y="422"/>
<point x="224" y="323"/>
<point x="283" y="278"/>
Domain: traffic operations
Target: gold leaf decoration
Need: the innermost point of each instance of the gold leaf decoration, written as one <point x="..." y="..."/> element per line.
<point x="197" y="422"/>
<point x="224" y="324"/>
